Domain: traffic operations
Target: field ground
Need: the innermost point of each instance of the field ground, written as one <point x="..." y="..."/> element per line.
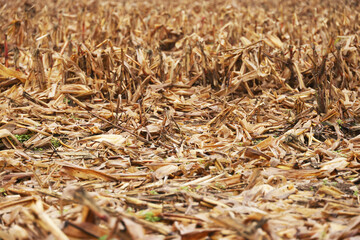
<point x="179" y="119"/>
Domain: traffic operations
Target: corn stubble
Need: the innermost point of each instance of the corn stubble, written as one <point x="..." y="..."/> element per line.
<point x="181" y="119"/>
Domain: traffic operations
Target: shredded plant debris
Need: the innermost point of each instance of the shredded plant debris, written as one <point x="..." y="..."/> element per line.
<point x="185" y="119"/>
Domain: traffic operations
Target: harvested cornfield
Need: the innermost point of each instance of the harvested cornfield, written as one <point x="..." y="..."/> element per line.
<point x="180" y="120"/>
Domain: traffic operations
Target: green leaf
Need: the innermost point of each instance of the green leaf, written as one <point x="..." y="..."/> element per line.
<point x="103" y="237"/>
<point x="55" y="142"/>
<point x="22" y="137"/>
